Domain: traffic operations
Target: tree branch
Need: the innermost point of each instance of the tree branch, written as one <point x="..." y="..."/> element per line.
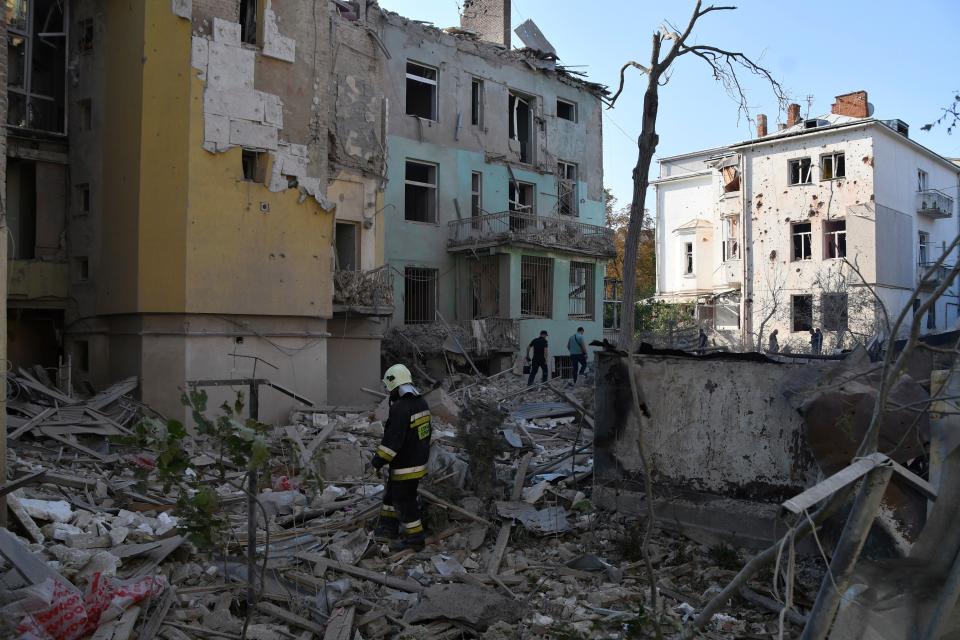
<point x="623" y="72"/>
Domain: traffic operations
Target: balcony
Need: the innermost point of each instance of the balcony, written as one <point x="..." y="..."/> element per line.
<point x="934" y="279"/>
<point x="549" y="232"/>
<point x="934" y="204"/>
<point x="364" y="292"/>
<point x="732" y="272"/>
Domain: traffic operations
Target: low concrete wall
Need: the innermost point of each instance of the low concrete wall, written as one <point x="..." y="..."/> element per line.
<point x="716" y="425"/>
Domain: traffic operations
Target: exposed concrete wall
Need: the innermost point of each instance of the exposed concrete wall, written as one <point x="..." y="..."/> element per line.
<point x="4" y="241"/>
<point x="716" y="426"/>
<point x="354" y="360"/>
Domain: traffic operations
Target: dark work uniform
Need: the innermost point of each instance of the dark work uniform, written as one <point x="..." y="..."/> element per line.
<point x="406" y="448"/>
<point x="539" y="359"/>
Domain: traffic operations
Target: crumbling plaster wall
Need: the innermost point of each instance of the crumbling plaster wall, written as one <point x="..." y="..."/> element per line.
<point x="718" y="426"/>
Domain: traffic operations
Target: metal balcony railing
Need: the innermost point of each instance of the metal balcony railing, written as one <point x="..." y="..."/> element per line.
<point x="934" y="278"/>
<point x="373" y="288"/>
<point x="934" y="203"/>
<point x="546" y="231"/>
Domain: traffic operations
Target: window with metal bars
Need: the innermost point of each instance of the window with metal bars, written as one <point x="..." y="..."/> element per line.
<point x="536" y="287"/>
<point x="581" y="296"/>
<point x="419" y="295"/>
<point x="484" y="287"/>
<point x="37" y="59"/>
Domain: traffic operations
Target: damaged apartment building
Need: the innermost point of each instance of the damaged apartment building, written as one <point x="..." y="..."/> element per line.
<point x="188" y="183"/>
<point x="769" y="234"/>
<point x="494" y="200"/>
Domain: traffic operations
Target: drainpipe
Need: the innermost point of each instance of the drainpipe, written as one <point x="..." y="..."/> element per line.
<point x="746" y="284"/>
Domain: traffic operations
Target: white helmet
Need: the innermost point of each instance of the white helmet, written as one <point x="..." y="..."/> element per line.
<point x="396" y="376"/>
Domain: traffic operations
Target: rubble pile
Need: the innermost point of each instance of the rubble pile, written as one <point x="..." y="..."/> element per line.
<point x="99" y="547"/>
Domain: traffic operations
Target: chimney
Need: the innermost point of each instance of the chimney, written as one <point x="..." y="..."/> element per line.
<point x="490" y="19"/>
<point x="852" y="104"/>
<point x="793" y="114"/>
<point x="761" y="125"/>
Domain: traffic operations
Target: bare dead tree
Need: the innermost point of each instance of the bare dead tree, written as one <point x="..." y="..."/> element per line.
<point x="725" y="65"/>
<point x="950" y="117"/>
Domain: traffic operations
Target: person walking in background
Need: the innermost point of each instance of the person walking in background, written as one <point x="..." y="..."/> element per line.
<point x="541" y="351"/>
<point x="774" y="345"/>
<point x="819" y="349"/>
<point x="577" y="346"/>
<point x="701" y="342"/>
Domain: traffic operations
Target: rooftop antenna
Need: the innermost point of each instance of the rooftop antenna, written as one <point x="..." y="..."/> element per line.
<point x="809" y="106"/>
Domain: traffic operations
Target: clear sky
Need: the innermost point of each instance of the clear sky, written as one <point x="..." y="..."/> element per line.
<point x="902" y="53"/>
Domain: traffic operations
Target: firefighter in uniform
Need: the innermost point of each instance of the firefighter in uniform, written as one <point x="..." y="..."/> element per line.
<point x="405" y="447"/>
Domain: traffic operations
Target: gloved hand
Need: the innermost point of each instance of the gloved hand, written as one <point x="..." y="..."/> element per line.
<point x="377" y="462"/>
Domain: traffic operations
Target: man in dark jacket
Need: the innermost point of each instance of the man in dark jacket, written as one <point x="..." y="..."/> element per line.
<point x="541" y="351"/>
<point x="406" y="448"/>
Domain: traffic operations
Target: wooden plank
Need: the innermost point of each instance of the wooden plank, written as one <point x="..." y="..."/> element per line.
<point x="493" y="566"/>
<point x="157" y="556"/>
<point x="24" y="519"/>
<point x="79" y="447"/>
<point x="152" y="626"/>
<point x="340" y="625"/>
<point x="800" y="503"/>
<point x="443" y="503"/>
<point x="32" y="422"/>
<point x="290" y="618"/>
<point x="15" y="484"/>
<point x="394" y="583"/>
<point x="127" y="621"/>
<point x="26" y="563"/>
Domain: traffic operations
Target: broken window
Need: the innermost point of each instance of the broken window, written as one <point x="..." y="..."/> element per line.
<point x="254" y="164"/>
<point x="348" y="246"/>
<point x="581" y="297"/>
<point x="726" y="313"/>
<point x="37" y="203"/>
<point x="923" y="180"/>
<point x="37" y="62"/>
<point x="248" y="21"/>
<point x="835" y="238"/>
<point x="731" y="179"/>
<point x="419" y="295"/>
<point x="802" y="313"/>
<point x="834" y="311"/>
<point x="420" y="197"/>
<point x="800" y="172"/>
<point x="923" y="249"/>
<point x="731" y="245"/>
<point x="421" y="91"/>
<point x="476" y="198"/>
<point x="520" y="116"/>
<point x="536" y="287"/>
<point x="612" y="303"/>
<point x="802" y="239"/>
<point x="567" y="199"/>
<point x="485" y="287"/>
<point x="688" y="258"/>
<point x="83" y="199"/>
<point x="522" y="204"/>
<point x="833" y="166"/>
<point x="85" y="35"/>
<point x="81" y="268"/>
<point x="566" y="110"/>
<point x="476" y="102"/>
<point x="85" y="116"/>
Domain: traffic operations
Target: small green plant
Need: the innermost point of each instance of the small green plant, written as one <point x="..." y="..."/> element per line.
<point x="725" y="557"/>
<point x="239" y="441"/>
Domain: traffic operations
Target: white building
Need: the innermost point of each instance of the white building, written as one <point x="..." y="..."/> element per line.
<point x="755" y="234"/>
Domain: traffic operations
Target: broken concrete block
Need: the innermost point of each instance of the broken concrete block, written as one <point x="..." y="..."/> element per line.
<point x="230" y="67"/>
<point x="165" y="523"/>
<point x="102" y="562"/>
<point x="182" y="8"/>
<point x="251" y="134"/>
<point x="225" y="31"/>
<point x="50" y="510"/>
<point x="274" y="44"/>
<point x="199" y="55"/>
<point x="118" y="535"/>
<point x="281" y="503"/>
<point x="478" y="607"/>
<point x="60" y="530"/>
<point x="342" y="461"/>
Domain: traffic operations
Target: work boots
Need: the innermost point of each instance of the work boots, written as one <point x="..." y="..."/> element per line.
<point x="417" y="542"/>
<point x="388" y="529"/>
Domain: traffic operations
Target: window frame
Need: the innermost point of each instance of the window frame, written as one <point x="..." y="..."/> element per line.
<point x="251" y="39"/>
<point x="689" y="259"/>
<point x="432" y="82"/>
<point x="588" y="286"/>
<point x="923" y="248"/>
<point x="828" y="311"/>
<point x="84" y="199"/>
<point x="545" y="267"/>
<point x="477" y="99"/>
<point x="832" y="157"/>
<point x="428" y="275"/>
<point x="794" y="299"/>
<point x="513" y="204"/>
<point x="923" y="180"/>
<point x="565" y="168"/>
<point x="573" y="108"/>
<point x="435" y="187"/>
<point x="807" y="235"/>
<point x="799" y="162"/>
<point x="834" y="242"/>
